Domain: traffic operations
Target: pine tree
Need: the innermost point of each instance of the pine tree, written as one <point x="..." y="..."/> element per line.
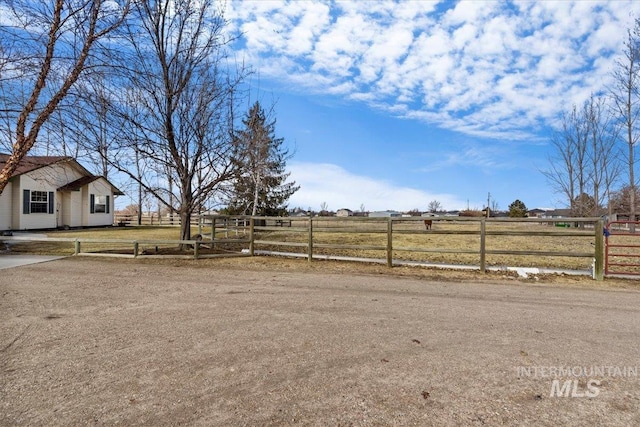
<point x="517" y="209"/>
<point x="260" y="187"/>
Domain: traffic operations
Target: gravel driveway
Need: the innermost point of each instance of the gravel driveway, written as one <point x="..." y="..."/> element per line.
<point x="100" y="342"/>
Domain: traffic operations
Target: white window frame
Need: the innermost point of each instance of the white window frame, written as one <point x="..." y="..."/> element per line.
<point x="40" y="200"/>
<point x="100" y="205"/>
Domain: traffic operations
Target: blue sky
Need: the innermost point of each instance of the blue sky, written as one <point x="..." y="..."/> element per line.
<point x="393" y="104"/>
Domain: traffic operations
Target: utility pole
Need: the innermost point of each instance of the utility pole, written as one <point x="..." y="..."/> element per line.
<point x="488" y="204"/>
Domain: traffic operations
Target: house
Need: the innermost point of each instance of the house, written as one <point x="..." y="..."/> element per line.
<point x="536" y="213"/>
<point x="344" y="212"/>
<point x="385" y="214"/>
<point x="556" y="213"/>
<point x="55" y="191"/>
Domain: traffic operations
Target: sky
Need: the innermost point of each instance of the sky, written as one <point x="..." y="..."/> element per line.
<point x="393" y="104"/>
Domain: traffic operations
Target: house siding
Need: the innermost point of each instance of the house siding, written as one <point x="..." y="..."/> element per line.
<point x="5" y="208"/>
<point x="33" y="220"/>
<point x="98" y="188"/>
<point x="16" y="204"/>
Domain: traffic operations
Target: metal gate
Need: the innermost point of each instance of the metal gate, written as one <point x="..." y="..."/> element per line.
<point x="622" y="248"/>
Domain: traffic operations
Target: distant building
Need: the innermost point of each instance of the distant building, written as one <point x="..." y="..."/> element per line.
<point x="535" y="213"/>
<point x="344" y="212"/>
<point x="385" y="214"/>
<point x="299" y="212"/>
<point x="556" y="213"/>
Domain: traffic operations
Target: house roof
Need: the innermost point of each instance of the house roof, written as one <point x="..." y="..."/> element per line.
<point x="31" y="163"/>
<point x="81" y="182"/>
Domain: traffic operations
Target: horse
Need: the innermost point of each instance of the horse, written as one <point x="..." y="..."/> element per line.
<point x="428" y="223"/>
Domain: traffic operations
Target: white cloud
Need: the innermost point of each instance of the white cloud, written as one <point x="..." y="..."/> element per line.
<point x="331" y="184"/>
<point x="484" y="68"/>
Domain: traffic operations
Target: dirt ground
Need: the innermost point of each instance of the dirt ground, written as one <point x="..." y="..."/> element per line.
<point x="263" y="341"/>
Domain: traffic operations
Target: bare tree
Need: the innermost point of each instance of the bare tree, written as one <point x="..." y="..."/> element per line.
<point x="48" y="45"/>
<point x="604" y="159"/>
<point x="324" y="208"/>
<point x="562" y="162"/>
<point x="434" y="206"/>
<point x="178" y="117"/>
<point x="584" y="165"/>
<point x="626" y="104"/>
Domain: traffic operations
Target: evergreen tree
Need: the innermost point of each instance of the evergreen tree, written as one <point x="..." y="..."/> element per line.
<point x="260" y="187"/>
<point x="517" y="209"/>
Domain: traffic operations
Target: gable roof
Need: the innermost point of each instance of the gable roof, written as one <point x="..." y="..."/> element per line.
<point x="31" y="163"/>
<point x="81" y="182"/>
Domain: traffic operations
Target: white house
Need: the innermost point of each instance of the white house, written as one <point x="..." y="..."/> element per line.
<point x="385" y="214"/>
<point x="55" y="191"/>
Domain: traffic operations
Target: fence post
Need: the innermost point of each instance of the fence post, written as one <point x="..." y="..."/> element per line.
<point x="310" y="243"/>
<point x="251" y="237"/>
<point x="135" y="249"/>
<point x="196" y="249"/>
<point x="390" y="243"/>
<point x="213" y="231"/>
<point x="598" y="267"/>
<point x="77" y="247"/>
<point x="483" y="243"/>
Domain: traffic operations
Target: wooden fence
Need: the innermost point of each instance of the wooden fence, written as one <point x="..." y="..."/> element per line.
<point x="152" y="219"/>
<point x="277" y="232"/>
<point x="307" y="236"/>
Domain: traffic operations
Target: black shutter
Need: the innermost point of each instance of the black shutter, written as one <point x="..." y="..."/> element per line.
<point x="107" y="208"/>
<point x="51" y="202"/>
<point x="26" y="202"/>
<point x="92" y="203"/>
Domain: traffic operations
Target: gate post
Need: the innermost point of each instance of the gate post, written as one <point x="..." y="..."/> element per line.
<point x="310" y="242"/>
<point x="598" y="267"/>
<point x="390" y="243"/>
<point x="483" y="244"/>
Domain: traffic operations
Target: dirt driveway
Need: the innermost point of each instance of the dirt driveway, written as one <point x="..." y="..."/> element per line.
<point x="102" y="342"/>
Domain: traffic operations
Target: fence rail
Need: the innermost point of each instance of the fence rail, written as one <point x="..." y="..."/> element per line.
<point x="153" y="219"/>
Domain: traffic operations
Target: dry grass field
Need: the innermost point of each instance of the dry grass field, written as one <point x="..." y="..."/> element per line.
<point x="412" y="235"/>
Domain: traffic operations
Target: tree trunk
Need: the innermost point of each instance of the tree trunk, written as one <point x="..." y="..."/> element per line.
<point x="256" y="192"/>
<point x="185" y="228"/>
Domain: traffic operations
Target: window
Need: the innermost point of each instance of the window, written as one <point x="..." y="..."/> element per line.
<point x="99" y="204"/>
<point x="39" y="202"/>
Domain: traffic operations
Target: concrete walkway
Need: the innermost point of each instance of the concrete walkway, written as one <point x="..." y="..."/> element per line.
<point x="11" y="261"/>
